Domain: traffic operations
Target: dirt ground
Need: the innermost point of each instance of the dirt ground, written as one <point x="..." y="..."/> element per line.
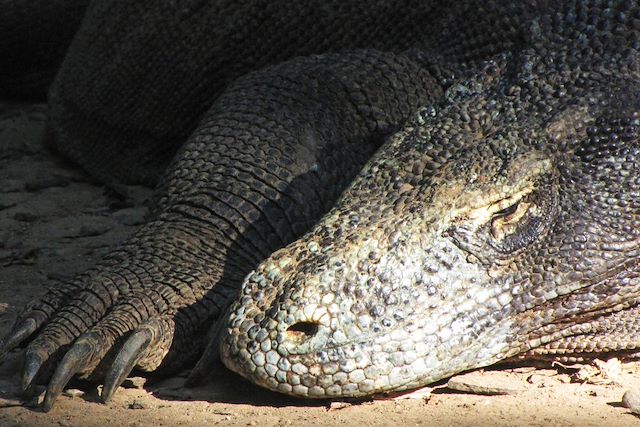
<point x="54" y="222"/>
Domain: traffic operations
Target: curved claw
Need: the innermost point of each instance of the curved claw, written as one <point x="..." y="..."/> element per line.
<point x="18" y="334"/>
<point x="131" y="352"/>
<point x="210" y="357"/>
<point x="74" y="361"/>
<point x="33" y="361"/>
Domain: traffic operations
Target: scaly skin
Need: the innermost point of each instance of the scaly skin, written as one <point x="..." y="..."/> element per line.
<point x="488" y="227"/>
<point x="505" y="223"/>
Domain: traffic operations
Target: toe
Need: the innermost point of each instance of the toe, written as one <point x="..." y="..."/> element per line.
<point x="75" y="360"/>
<point x="134" y="348"/>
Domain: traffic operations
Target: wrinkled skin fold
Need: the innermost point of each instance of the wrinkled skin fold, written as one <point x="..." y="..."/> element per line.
<point x="402" y="194"/>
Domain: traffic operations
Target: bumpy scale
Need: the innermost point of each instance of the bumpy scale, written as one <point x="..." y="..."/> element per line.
<point x="499" y="220"/>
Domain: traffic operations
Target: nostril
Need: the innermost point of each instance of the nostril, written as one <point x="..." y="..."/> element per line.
<point x="302" y="331"/>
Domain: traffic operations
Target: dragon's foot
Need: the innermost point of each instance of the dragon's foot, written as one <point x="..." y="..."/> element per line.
<point x="132" y="312"/>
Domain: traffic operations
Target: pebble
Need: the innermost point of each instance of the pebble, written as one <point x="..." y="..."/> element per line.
<point x="423" y="393"/>
<point x="334" y="406"/>
<point x="8" y="403"/>
<point x="599" y="372"/>
<point x="137" y="405"/>
<point x="73" y="392"/>
<point x="631" y="400"/>
<point x="477" y="383"/>
<point x="134" y="382"/>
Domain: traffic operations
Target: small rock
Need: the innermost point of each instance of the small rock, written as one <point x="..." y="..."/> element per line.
<point x="334" y="406"/>
<point x="600" y="372"/>
<point x="631" y="400"/>
<point x="423" y="393"/>
<point x="8" y="403"/>
<point x="612" y="368"/>
<point x="476" y="383"/>
<point x="137" y="405"/>
<point x="524" y="370"/>
<point x="73" y="392"/>
<point x="134" y="382"/>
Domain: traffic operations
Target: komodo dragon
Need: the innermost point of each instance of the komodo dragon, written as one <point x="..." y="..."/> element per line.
<point x="462" y="179"/>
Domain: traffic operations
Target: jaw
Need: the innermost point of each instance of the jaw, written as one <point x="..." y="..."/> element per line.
<point x="395" y="360"/>
<point x="299" y="338"/>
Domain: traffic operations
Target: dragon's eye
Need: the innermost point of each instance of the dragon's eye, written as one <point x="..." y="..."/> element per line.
<point x="505" y="221"/>
<point x="508" y="214"/>
<point x="518" y="221"/>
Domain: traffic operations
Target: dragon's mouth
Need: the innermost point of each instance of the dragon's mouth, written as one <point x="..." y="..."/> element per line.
<point x="323" y="374"/>
<point x="365" y="365"/>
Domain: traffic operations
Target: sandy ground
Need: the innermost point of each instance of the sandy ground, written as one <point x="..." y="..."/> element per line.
<point x="54" y="222"/>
